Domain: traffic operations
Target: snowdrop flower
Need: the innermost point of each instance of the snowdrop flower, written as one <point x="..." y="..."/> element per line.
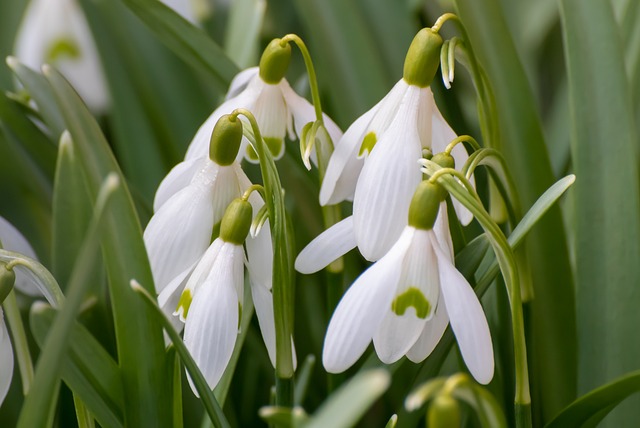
<point x="266" y="93"/>
<point x="375" y="161"/>
<point x="405" y="300"/>
<point x="11" y="240"/>
<point x="189" y="203"/>
<point x="56" y="32"/>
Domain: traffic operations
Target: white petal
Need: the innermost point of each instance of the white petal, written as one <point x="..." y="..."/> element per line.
<point x="204" y="266"/>
<point x="327" y="247"/>
<point x="177" y="179"/>
<point x="431" y="334"/>
<point x="272" y="114"/>
<point x="426" y="105"/>
<point x="6" y="359"/>
<point x="442" y="136"/>
<point x="398" y="333"/>
<point x="467" y="319"/>
<point x="212" y="322"/>
<point x="199" y="146"/>
<point x="240" y="82"/>
<point x="387" y="183"/>
<point x="441" y="229"/>
<point x="170" y="295"/>
<point x="362" y="308"/>
<point x="389" y="107"/>
<point x="13" y="240"/>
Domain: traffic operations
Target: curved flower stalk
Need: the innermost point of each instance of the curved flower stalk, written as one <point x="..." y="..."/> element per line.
<point x="56" y="32"/>
<point x="265" y="92"/>
<point x="405" y="300"/>
<point x="374" y="163"/>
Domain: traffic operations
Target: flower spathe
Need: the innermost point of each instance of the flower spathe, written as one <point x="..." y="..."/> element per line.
<point x="56" y="32"/>
<point x="404" y="302"/>
<point x="278" y="110"/>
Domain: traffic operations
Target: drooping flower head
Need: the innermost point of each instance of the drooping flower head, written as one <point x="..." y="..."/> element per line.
<point x="375" y="161"/>
<point x="405" y="300"/>
<point x="56" y="32"/>
<point x="265" y="92"/>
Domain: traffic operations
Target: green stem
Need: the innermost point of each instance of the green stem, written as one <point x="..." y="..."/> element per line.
<point x="284" y="392"/>
<point x="85" y="420"/>
<point x="451" y="179"/>
<point x="20" y="343"/>
<point x="45" y="281"/>
<point x="462" y="139"/>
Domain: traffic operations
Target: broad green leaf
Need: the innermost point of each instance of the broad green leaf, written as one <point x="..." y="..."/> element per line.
<point x="346" y="406"/>
<point x="39" y="400"/>
<point x="89" y="370"/>
<point x="607" y="204"/>
<point x="243" y="31"/>
<point x="144" y="379"/>
<point x="187" y="41"/>
<point x="553" y="330"/>
<point x="596" y="404"/>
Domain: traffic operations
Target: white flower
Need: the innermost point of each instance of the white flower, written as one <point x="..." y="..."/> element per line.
<point x="56" y="32"/>
<point x="277" y="108"/>
<point x="375" y="162"/>
<point x="404" y="302"/>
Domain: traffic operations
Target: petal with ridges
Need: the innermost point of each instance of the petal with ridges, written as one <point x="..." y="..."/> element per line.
<point x="241" y="81"/>
<point x="362" y="308"/>
<point x="178" y="178"/>
<point x="13" y="240"/>
<point x="431" y="334"/>
<point x="468" y="321"/>
<point x="327" y="247"/>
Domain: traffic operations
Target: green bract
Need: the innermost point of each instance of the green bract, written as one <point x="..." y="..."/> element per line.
<point x="423" y="58"/>
<point x="7" y="279"/>
<point x="274" y="62"/>
<point x="225" y="140"/>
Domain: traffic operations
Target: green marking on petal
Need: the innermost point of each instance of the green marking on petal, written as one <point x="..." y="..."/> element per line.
<point x="411" y="297"/>
<point x="61" y="48"/>
<point x="251" y="154"/>
<point x="275" y="146"/>
<point x="369" y="141"/>
<point x="185" y="302"/>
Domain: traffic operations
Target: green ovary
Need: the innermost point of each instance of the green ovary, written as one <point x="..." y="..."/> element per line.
<point x="411" y="297"/>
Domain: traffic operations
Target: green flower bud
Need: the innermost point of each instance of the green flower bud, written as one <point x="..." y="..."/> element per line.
<point x="7" y="280"/>
<point x="423" y="58"/>
<point x="425" y="203"/>
<point x="274" y="62"/>
<point x="444" y="160"/>
<point x="444" y="412"/>
<point x="236" y="222"/>
<point x="225" y="140"/>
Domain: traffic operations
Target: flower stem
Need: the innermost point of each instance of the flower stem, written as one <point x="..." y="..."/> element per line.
<point x="20" y="342"/>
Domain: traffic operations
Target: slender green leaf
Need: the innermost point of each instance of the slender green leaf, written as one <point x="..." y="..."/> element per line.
<point x="188" y="42"/>
<point x="607" y="203"/>
<point x="144" y="379"/>
<point x="552" y="327"/>
<point x="243" y="31"/>
<point x="89" y="371"/>
<point x="347" y="405"/>
<point x="597" y="403"/>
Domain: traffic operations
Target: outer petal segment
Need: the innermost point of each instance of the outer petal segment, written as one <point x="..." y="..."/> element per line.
<point x="327" y="247"/>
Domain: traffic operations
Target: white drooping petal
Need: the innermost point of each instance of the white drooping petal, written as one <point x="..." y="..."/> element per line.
<point x="178" y="178"/>
<point x="431" y="334"/>
<point x="13" y="240"/>
<point x="272" y="114"/>
<point x="204" y="266"/>
<point x="467" y="319"/>
<point x="442" y="232"/>
<point x="57" y="33"/>
<point x="212" y="322"/>
<point x="361" y="310"/>
<point x="240" y="82"/>
<point x="387" y="183"/>
<point x="388" y="107"/>
<point x="327" y="247"/>
<point x="6" y="359"/>
<point x="426" y="106"/>
<point x="170" y="296"/>
<point x="442" y="136"/>
<point x="199" y="146"/>
<point x="416" y="297"/>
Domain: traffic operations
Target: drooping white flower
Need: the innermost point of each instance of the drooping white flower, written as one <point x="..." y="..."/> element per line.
<point x="278" y="110"/>
<point x="404" y="302"/>
<point x="56" y="32"/>
<point x="375" y="161"/>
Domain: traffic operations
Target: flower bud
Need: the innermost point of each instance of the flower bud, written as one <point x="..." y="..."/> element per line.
<point x="423" y="58"/>
<point x="425" y="204"/>
<point x="7" y="280"/>
<point x="236" y="222"/>
<point x="225" y="140"/>
<point x="444" y="160"/>
<point x="444" y="412"/>
<point x="274" y="62"/>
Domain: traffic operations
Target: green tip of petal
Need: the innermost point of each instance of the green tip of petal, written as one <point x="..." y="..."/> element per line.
<point x="274" y="62"/>
<point x="368" y="143"/>
<point x="412" y="297"/>
<point x="61" y="48"/>
<point x="276" y="146"/>
<point x="184" y="303"/>
<point x="423" y="58"/>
